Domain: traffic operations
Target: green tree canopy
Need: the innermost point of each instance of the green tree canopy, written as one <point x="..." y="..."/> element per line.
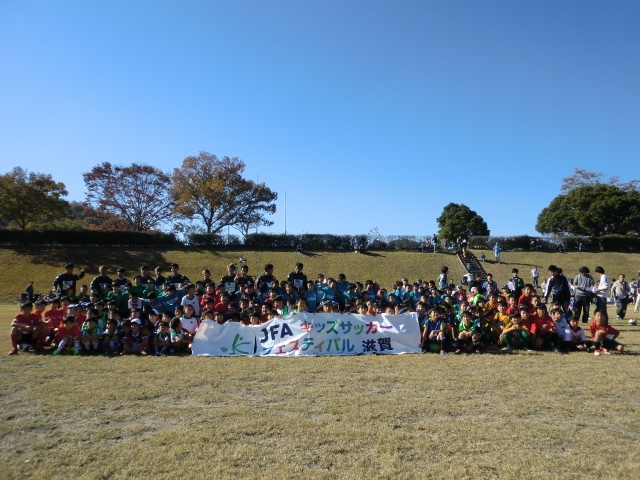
<point x="592" y="210"/>
<point x="27" y="198"/>
<point x="460" y="221"/>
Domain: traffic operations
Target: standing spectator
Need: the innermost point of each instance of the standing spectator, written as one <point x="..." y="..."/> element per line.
<point x="601" y="289"/>
<point x="621" y="292"/>
<point x="516" y="284"/>
<point x="558" y="288"/>
<point x="67" y="280"/>
<point x="29" y="290"/>
<point x="496" y="251"/>
<point x="535" y="275"/>
<point x="583" y="284"/>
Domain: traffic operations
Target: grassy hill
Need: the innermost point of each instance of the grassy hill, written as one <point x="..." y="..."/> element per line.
<point x="41" y="265"/>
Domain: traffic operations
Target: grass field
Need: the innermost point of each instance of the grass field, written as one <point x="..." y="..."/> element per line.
<point x="535" y="415"/>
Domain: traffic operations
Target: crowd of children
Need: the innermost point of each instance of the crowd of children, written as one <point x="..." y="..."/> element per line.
<point x="154" y="314"/>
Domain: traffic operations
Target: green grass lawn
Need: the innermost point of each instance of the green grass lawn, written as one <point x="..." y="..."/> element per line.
<point x="535" y="415"/>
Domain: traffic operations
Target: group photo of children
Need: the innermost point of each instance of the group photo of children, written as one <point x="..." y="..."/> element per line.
<point x="151" y="313"/>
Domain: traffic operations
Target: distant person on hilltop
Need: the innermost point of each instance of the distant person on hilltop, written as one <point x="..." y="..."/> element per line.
<point x="496" y="251"/>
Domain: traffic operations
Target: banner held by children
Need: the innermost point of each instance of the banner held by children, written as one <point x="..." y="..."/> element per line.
<point x="311" y="334"/>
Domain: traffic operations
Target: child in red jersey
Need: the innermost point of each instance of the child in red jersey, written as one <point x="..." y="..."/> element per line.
<point x="27" y="328"/>
<point x="604" y="335"/>
<point x="68" y="333"/>
<point x="53" y="318"/>
<point x="544" y="333"/>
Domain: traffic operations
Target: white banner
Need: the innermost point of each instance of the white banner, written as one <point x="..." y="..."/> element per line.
<point x="311" y="334"/>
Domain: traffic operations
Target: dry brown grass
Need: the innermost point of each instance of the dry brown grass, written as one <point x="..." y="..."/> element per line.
<point x="537" y="415"/>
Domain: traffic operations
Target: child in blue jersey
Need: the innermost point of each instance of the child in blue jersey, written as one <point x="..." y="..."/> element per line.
<point x="311" y="295"/>
<point x="434" y="333"/>
<point x="443" y="280"/>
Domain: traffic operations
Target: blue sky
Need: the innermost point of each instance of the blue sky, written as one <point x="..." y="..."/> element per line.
<point x="367" y="113"/>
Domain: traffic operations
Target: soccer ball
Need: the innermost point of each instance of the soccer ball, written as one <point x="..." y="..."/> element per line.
<point x="633" y="321"/>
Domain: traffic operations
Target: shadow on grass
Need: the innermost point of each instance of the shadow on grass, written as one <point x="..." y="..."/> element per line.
<point x="309" y="254"/>
<point x="92" y="258"/>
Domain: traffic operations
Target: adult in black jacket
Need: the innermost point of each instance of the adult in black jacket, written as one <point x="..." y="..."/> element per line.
<point x="67" y="280"/>
<point x="558" y="288"/>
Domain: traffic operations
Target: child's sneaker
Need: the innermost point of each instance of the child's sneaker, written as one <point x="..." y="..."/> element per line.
<point x="605" y="351"/>
<point x="507" y="349"/>
<point x="75" y="351"/>
<point x="477" y="351"/>
<point x="596" y="352"/>
<point x="555" y="350"/>
<point x="56" y="352"/>
<point x="442" y="352"/>
<point x="13" y="351"/>
<point x="458" y="351"/>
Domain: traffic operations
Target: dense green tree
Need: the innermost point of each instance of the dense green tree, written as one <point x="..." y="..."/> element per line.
<point x="592" y="210"/>
<point x="460" y="221"/>
<point x="27" y="198"/>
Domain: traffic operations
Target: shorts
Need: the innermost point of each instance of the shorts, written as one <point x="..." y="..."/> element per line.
<point x="26" y="337"/>
<point x="610" y="344"/>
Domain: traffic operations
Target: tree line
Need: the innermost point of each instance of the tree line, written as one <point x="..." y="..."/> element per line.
<point x="206" y="194"/>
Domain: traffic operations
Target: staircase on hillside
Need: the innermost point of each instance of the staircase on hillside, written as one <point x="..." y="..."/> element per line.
<point x="471" y="264"/>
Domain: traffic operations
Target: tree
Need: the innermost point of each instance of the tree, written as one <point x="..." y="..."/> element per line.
<point x="214" y="190"/>
<point x="27" y="198"/>
<point x="138" y="194"/>
<point x="80" y="216"/>
<point x="581" y="178"/>
<point x="460" y="221"/>
<point x="252" y="206"/>
<point x="592" y="210"/>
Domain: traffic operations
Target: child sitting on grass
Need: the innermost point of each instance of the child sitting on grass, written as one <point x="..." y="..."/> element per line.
<point x="543" y="331"/>
<point x="180" y="338"/>
<point x="604" y="335"/>
<point x="162" y="339"/>
<point x="469" y="332"/>
<point x="91" y="334"/>
<point x="515" y="334"/>
<point x="137" y="342"/>
<point x="67" y="334"/>
<point x="27" y="328"/>
<point x="574" y="336"/>
<point x="111" y="344"/>
<point x="434" y="334"/>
